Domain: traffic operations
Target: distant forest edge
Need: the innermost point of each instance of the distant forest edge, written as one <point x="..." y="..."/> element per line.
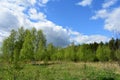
<point x="30" y="45"/>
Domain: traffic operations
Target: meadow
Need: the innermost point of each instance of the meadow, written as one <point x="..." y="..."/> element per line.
<point x="25" y="55"/>
<point x="61" y="71"/>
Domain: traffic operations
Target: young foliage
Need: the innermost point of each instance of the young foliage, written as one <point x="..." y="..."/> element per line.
<point x="103" y="53"/>
<point x="27" y="50"/>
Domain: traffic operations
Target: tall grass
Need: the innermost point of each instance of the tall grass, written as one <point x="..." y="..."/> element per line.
<point x="62" y="71"/>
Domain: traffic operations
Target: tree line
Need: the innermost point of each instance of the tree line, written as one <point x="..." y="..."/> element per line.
<point x="31" y="45"/>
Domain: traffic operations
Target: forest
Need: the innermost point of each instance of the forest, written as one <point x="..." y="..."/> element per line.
<point x="29" y="46"/>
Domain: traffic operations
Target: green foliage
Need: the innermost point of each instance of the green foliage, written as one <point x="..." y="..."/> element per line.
<point x="23" y="45"/>
<point x="41" y="52"/>
<point x="117" y="44"/>
<point x="118" y="54"/>
<point x="85" y="53"/>
<point x="5" y="50"/>
<point x="40" y="46"/>
<point x="30" y="45"/>
<point x="58" y="55"/>
<point x="112" y="44"/>
<point x="27" y="49"/>
<point x="64" y="71"/>
<point x="50" y="51"/>
<point x="103" y="53"/>
<point x="9" y="46"/>
<point x="70" y="53"/>
<point x="16" y="55"/>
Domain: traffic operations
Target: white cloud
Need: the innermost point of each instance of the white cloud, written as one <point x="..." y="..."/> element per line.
<point x="13" y="16"/>
<point x="85" y="3"/>
<point x="3" y="34"/>
<point x="43" y="2"/>
<point x="111" y="17"/>
<point x="109" y="3"/>
<point x="100" y="14"/>
<point x="34" y="15"/>
<point x="54" y="33"/>
<point x="112" y="22"/>
<point x="80" y="38"/>
<point x="17" y="13"/>
<point x="32" y="2"/>
<point x="8" y="21"/>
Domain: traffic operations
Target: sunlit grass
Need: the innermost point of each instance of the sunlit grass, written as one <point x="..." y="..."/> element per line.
<point x="63" y="71"/>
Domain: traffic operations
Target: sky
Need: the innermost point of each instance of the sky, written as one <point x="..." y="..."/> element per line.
<point x="62" y="21"/>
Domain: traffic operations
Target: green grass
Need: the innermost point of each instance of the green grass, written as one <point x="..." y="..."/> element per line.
<point x="62" y="71"/>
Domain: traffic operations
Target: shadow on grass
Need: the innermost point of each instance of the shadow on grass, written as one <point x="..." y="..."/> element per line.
<point x="41" y="63"/>
<point x="109" y="78"/>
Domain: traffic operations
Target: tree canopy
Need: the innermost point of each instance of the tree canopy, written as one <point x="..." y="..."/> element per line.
<point x="31" y="44"/>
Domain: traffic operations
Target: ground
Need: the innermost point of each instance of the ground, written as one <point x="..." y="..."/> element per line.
<point x="62" y="71"/>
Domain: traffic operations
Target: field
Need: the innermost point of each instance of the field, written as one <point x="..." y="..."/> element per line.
<point x="62" y="71"/>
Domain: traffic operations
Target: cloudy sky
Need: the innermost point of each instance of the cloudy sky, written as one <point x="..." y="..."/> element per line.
<point x="62" y="21"/>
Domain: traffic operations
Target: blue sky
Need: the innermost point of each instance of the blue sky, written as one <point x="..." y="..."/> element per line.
<point x="69" y="14"/>
<point x="63" y="21"/>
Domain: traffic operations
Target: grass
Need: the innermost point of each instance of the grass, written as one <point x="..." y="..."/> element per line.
<point x="62" y="71"/>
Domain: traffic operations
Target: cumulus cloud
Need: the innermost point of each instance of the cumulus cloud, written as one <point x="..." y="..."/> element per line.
<point x="8" y="21"/>
<point x="34" y="15"/>
<point x="42" y="2"/>
<point x="85" y="3"/>
<point x="112" y="21"/>
<point x="17" y="13"/>
<point x="54" y="33"/>
<point x="80" y="38"/>
<point x="13" y="16"/>
<point x="109" y="3"/>
<point x="32" y="2"/>
<point x="111" y="17"/>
